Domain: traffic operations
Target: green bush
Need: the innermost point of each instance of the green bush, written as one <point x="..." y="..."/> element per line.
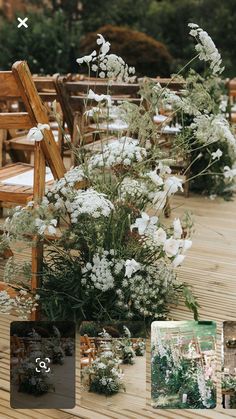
<point x="50" y="44"/>
<point x="148" y="56"/>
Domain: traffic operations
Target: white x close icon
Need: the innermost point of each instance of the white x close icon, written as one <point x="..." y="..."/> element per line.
<point x="22" y="22"/>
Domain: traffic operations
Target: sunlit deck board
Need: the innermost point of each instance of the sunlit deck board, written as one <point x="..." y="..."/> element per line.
<point x="210" y="267"/>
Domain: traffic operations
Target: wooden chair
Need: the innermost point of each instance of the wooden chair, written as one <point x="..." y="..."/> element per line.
<point x="231" y="88"/>
<point x="72" y="94"/>
<point x="18" y="83"/>
<point x="17" y="144"/>
<point x="87" y="351"/>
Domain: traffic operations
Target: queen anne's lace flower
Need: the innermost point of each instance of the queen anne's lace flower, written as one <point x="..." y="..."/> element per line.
<point x="63" y="186"/>
<point x="107" y="65"/>
<point x="206" y="48"/>
<point x="213" y="128"/>
<point x="89" y="202"/>
<point x="133" y="188"/>
<point x="99" y="273"/>
<point x="149" y="288"/>
<point x="124" y="151"/>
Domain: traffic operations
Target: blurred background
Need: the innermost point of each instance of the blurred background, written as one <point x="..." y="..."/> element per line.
<point x="152" y="35"/>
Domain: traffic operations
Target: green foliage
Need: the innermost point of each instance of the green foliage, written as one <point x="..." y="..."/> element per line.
<point x="167" y="390"/>
<point x="167" y="22"/>
<point x="212" y="183"/>
<point x="50" y="44"/>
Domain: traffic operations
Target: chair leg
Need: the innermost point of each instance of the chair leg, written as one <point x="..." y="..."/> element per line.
<point x="37" y="264"/>
<point x="167" y="209"/>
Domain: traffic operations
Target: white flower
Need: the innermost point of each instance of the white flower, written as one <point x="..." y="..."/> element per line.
<point x="177" y="228"/>
<point x="143" y="223"/>
<point x="124" y="149"/>
<point x="36" y="133"/>
<point x="209" y="129"/>
<point x="87" y="58"/>
<point x="131" y="266"/>
<point x="155" y="177"/>
<point x="94" y="67"/>
<point x="206" y="48"/>
<point x="51" y="227"/>
<point x="172" y="185"/>
<point x="178" y="260"/>
<point x="99" y="273"/>
<point x="99" y="98"/>
<point x="186" y="245"/>
<point x="159" y="236"/>
<point x="132" y="187"/>
<point x="229" y="173"/>
<point x="163" y="169"/>
<point x="88" y="202"/>
<point x="105" y="45"/>
<point x="171" y="247"/>
<point x="216" y="154"/>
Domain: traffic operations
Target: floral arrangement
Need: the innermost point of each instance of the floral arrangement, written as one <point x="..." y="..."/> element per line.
<point x="206" y="138"/>
<point x="181" y="381"/>
<point x="31" y="382"/>
<point x="125" y="348"/>
<point x="116" y="257"/>
<point x="228" y="383"/>
<point x="105" y="376"/>
<point x="139" y="347"/>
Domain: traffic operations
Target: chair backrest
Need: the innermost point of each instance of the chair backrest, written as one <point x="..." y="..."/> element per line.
<point x="19" y="83"/>
<point x="45" y="86"/>
<point x="72" y="94"/>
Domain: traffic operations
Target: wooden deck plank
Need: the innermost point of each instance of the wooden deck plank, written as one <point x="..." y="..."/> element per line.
<point x="210" y="268"/>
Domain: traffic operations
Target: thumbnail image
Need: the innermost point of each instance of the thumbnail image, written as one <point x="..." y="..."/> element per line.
<point x="42" y="365"/>
<point x="228" y="381"/>
<point x="112" y="362"/>
<point x="183" y="355"/>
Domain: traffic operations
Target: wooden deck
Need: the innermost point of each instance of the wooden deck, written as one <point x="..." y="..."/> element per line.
<point x="210" y="268"/>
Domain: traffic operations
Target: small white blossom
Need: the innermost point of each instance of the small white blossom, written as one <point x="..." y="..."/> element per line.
<point x="36" y="133"/>
<point x="186" y="245"/>
<point x="87" y="58"/>
<point x="143" y="223"/>
<point x="206" y="49"/>
<point x="177" y="228"/>
<point x="99" y="98"/>
<point x="171" y="247"/>
<point x="172" y="185"/>
<point x="159" y="236"/>
<point x="216" y="154"/>
<point x="178" y="260"/>
<point x="229" y="173"/>
<point x="131" y="266"/>
<point x="155" y="177"/>
<point x="125" y="150"/>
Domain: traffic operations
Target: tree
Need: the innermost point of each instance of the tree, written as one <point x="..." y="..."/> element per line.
<point x="148" y="56"/>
